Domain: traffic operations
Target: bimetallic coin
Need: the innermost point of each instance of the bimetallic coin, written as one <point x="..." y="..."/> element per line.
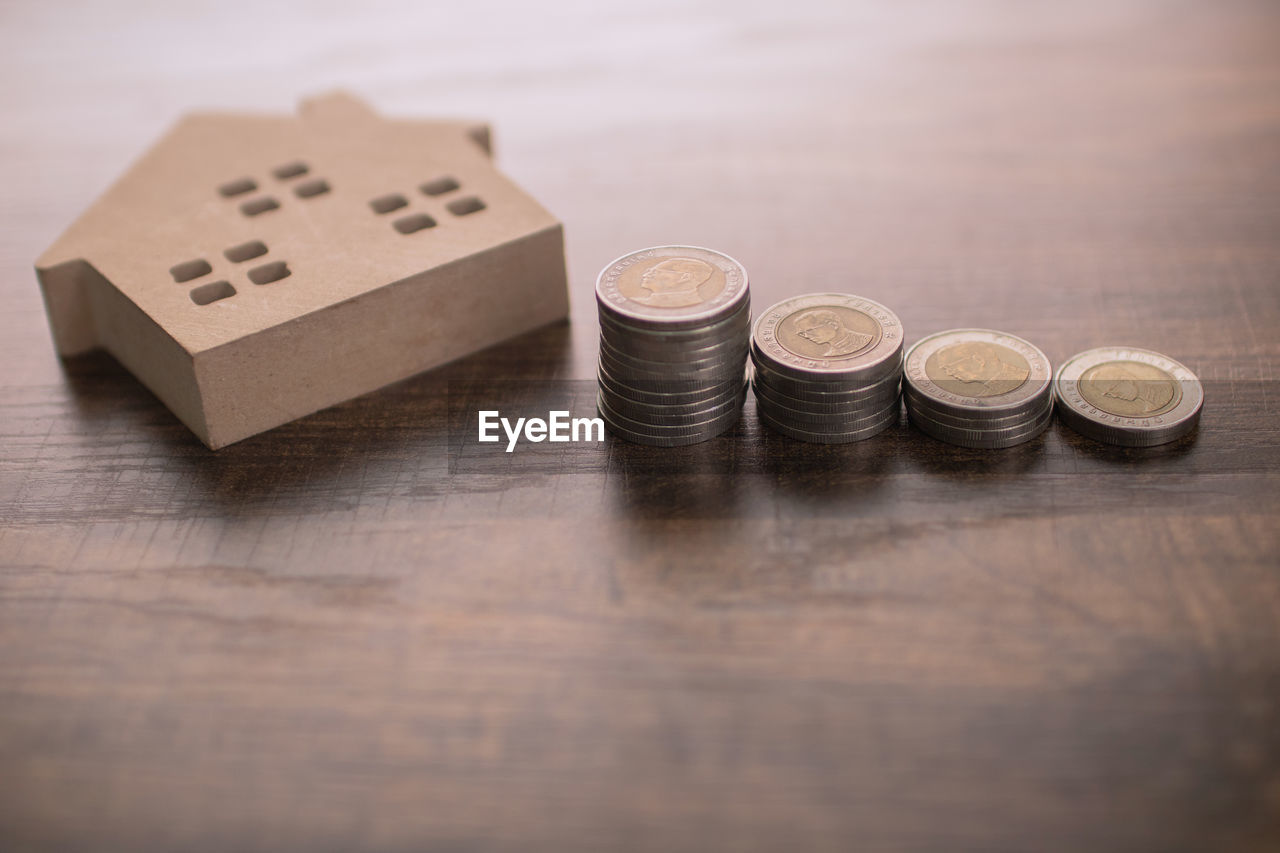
<point x="977" y="372"/>
<point x="1128" y="396"/>
<point x="671" y="286"/>
<point x="827" y="336"/>
<point x="832" y="382"/>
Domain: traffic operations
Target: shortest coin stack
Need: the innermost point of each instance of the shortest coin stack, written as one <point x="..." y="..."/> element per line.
<point x="1128" y="396"/>
<point x="978" y="388"/>
<point x="674" y="326"/>
<point x="828" y="367"/>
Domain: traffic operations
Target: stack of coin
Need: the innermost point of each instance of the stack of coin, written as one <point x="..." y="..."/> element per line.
<point x="1128" y="396"/>
<point x="674" y="327"/>
<point x="827" y="367"/>
<point x="978" y="388"/>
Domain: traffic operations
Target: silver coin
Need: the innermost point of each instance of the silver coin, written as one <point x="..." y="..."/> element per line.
<point x="666" y="440"/>
<point x="980" y="439"/>
<point x="1128" y="396"/>
<point x="737" y="322"/>
<point x="885" y="395"/>
<point x="650" y="417"/>
<point x="663" y="390"/>
<point x="657" y="429"/>
<point x="671" y="286"/>
<point x="666" y="393"/>
<point x="821" y="391"/>
<point x="686" y="369"/>
<point x="820" y="437"/>
<point x="664" y="352"/>
<point x="644" y="433"/>
<point x="827" y="336"/>
<point x="977" y="373"/>
<point x="931" y="410"/>
<point x="729" y="355"/>
<point x="628" y="372"/>
<point x="626" y="402"/>
<point x="825" y="421"/>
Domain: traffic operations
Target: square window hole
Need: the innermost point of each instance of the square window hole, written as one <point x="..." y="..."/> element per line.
<point x="439" y="186"/>
<point x="290" y="170"/>
<point x="254" y="206"/>
<point x="268" y="273"/>
<point x="246" y="251"/>
<point x="212" y="292"/>
<point x="409" y="224"/>
<point x="238" y="187"/>
<point x="316" y="187"/>
<point x="465" y="206"/>
<point x="190" y="269"/>
<point x="388" y="203"/>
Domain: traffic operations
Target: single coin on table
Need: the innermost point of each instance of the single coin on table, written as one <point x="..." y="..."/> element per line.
<point x="1128" y="396"/>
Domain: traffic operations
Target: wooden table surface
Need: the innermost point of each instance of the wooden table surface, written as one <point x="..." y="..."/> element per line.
<point x="337" y="636"/>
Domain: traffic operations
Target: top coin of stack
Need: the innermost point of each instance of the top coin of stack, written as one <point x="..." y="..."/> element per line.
<point x="674" y="327"/>
<point x="1128" y="396"/>
<point x="828" y="367"/>
<point x="978" y="388"/>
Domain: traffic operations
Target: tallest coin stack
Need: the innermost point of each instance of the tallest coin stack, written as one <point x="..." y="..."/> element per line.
<point x="675" y="325"/>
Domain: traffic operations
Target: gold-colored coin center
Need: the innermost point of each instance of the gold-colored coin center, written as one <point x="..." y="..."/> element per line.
<point x="977" y="369"/>
<point x="828" y="332"/>
<point x="673" y="282"/>
<point x="1129" y="389"/>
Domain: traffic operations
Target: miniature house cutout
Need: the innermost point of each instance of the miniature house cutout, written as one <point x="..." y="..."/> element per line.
<point x="250" y="270"/>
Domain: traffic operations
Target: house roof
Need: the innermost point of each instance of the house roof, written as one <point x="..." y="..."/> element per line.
<point x="342" y="200"/>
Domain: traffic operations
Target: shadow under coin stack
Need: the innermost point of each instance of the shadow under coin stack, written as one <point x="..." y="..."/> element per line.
<point x="828" y="367"/>
<point x="978" y="388"/>
<point x="674" y="327"/>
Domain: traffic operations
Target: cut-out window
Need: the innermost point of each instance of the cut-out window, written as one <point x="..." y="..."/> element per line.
<point x="290" y="170"/>
<point x="319" y="186"/>
<point x="190" y="269"/>
<point x="409" y="224"/>
<point x="268" y="273"/>
<point x="212" y="292"/>
<point x="388" y="203"/>
<point x="246" y="251"/>
<point x="465" y="206"/>
<point x="254" y="206"/>
<point x="439" y="186"/>
<point x="238" y="187"/>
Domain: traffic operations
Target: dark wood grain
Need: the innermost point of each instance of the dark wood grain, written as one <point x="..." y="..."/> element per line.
<point x="348" y="635"/>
